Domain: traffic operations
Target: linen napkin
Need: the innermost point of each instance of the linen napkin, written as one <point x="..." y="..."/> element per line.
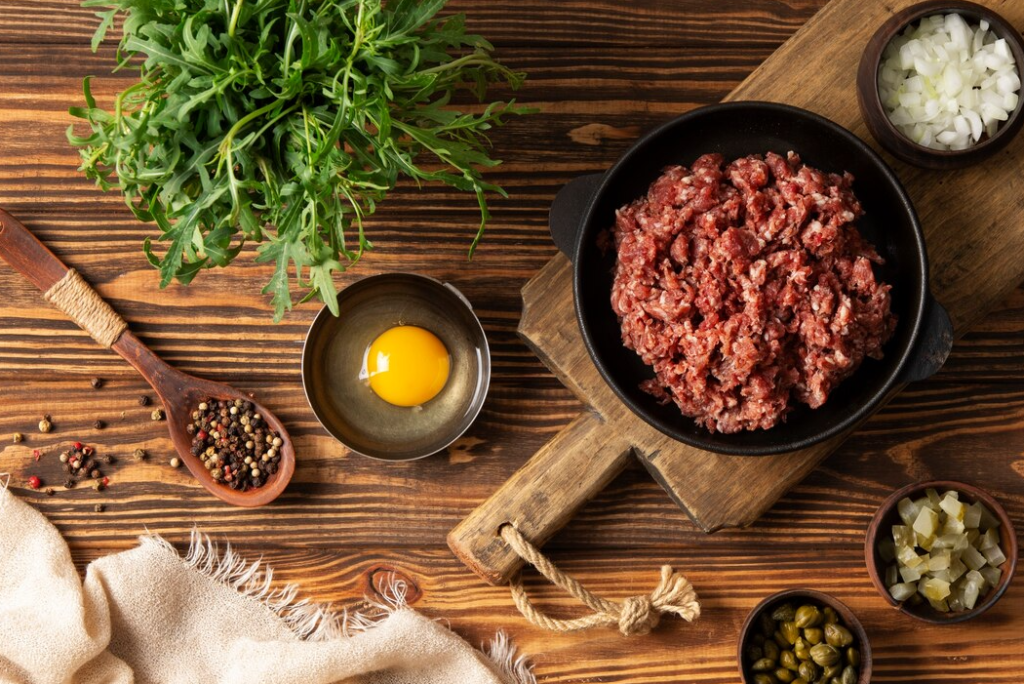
<point x="151" y="615"/>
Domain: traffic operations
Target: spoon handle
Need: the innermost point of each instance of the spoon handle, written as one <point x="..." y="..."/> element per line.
<point x="62" y="286"/>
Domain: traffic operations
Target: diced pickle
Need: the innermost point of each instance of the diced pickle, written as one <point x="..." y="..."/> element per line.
<point x="972" y="516"/>
<point x="908" y="557"/>
<point x="953" y="508"/>
<point x="933" y="498"/>
<point x="973" y="558"/>
<point x="939" y="560"/>
<point x="903" y="535"/>
<point x="989" y="539"/>
<point x="952" y="526"/>
<point x="994" y="555"/>
<point x="926" y="523"/>
<point x="933" y="589"/>
<point x="901" y="592"/>
<point x="991" y="575"/>
<point x="909" y="574"/>
<point x="892" y="574"/>
<point x="956" y="570"/>
<point x="941" y="606"/>
<point x="908" y="511"/>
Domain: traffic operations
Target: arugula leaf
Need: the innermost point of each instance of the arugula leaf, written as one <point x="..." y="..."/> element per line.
<point x="286" y="123"/>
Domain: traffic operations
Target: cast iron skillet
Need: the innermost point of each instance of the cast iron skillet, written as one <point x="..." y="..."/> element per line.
<point x="586" y="206"/>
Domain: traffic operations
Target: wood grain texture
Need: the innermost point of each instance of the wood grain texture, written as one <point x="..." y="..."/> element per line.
<point x="716" y="490"/>
<point x="603" y="72"/>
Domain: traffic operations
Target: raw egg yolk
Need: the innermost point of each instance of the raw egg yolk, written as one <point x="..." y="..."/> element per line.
<point x="407" y="366"/>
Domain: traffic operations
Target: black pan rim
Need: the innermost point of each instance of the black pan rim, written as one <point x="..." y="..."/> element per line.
<point x="857" y="414"/>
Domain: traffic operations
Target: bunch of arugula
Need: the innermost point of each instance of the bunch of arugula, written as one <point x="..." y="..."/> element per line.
<point x="285" y="122"/>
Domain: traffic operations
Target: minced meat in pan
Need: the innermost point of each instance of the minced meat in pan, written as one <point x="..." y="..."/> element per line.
<point x="747" y="288"/>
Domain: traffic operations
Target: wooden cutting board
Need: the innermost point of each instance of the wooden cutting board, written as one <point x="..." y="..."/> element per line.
<point x="974" y="225"/>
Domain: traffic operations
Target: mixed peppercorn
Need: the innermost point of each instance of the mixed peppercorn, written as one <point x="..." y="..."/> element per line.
<point x="81" y="462"/>
<point x="234" y="443"/>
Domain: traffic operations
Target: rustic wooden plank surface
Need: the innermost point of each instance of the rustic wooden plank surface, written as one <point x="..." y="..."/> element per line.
<point x="603" y="71"/>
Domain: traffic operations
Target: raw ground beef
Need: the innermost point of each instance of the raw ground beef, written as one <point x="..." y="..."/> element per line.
<point x="747" y="287"/>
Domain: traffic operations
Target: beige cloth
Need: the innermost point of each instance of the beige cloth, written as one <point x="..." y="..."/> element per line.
<point x="150" y="615"/>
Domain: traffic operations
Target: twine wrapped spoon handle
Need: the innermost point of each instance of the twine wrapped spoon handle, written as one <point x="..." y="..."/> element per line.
<point x="180" y="393"/>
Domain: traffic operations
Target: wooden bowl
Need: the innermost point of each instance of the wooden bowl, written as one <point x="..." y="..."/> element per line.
<point x="888" y="515"/>
<point x="887" y="135"/>
<point x="850" y="621"/>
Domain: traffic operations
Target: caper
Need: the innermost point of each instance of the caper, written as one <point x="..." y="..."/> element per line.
<point x="800" y="680"/>
<point x="849" y="675"/>
<point x="767" y="624"/>
<point x="790" y="631"/>
<point x="763" y="665"/>
<point x="837" y="635"/>
<point x="814" y="635"/>
<point x="832" y="671"/>
<point x="801" y="649"/>
<point x="808" y="616"/>
<point x="853" y="656"/>
<point x="781" y="640"/>
<point x="758" y="639"/>
<point x="771" y="650"/>
<point x="754" y="653"/>
<point x="784" y="675"/>
<point x="824" y="655"/>
<point x="788" y="660"/>
<point x="830" y="615"/>
<point x="808" y="671"/>
<point x="784" y="613"/>
<point x="765" y="679"/>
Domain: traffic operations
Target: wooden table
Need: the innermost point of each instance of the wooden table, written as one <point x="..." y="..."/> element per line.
<point x="602" y="71"/>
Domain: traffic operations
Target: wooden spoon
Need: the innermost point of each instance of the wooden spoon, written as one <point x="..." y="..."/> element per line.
<point x="180" y="393"/>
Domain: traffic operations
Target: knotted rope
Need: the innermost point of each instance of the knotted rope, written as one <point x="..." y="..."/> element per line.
<point x="72" y="295"/>
<point x="636" y="615"/>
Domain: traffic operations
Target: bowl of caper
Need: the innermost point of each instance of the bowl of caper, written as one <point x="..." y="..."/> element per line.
<point x="802" y="636"/>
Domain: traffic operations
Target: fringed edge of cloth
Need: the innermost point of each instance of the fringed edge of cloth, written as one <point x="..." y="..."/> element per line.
<point x="313" y="621"/>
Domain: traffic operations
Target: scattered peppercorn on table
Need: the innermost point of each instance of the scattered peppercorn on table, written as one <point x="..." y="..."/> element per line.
<point x="602" y="71"/>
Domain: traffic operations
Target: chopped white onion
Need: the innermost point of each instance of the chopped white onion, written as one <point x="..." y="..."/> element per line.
<point x="945" y="84"/>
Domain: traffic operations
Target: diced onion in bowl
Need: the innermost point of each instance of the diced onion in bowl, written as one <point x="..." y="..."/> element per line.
<point x="945" y="84"/>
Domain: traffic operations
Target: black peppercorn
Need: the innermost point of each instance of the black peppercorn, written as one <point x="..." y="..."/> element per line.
<point x="99" y="425"/>
<point x="143" y="400"/>
<point x="96" y="383"/>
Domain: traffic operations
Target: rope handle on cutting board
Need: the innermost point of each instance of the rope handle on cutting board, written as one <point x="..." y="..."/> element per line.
<point x="637" y="615"/>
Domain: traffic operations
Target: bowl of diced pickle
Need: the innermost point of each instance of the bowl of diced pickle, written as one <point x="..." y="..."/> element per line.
<point x="942" y="552"/>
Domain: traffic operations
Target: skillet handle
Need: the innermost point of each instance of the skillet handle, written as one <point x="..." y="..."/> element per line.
<point x="567" y="211"/>
<point x="934" y="345"/>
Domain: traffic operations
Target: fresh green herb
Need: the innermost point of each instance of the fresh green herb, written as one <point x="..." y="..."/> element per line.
<point x="285" y="122"/>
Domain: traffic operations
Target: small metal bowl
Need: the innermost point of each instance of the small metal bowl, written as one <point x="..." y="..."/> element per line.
<point x="346" y="406"/>
<point x="751" y="628"/>
<point x="888" y="515"/>
<point x="875" y="116"/>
